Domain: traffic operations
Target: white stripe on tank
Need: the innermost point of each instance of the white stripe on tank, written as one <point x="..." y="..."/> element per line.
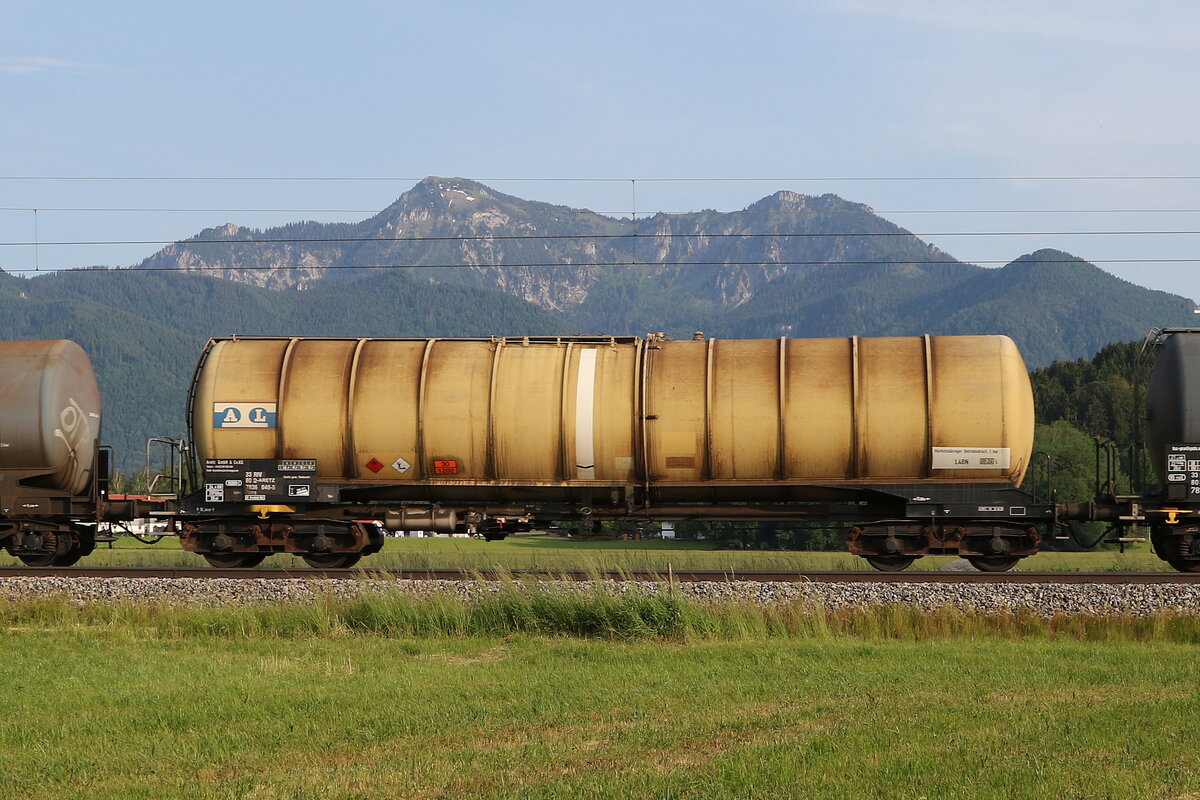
<point x="585" y="400"/>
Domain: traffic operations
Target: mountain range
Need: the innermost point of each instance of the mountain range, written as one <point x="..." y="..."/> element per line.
<point x="452" y="257"/>
<point x="788" y="264"/>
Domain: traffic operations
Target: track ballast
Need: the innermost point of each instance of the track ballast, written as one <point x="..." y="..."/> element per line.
<point x="683" y="576"/>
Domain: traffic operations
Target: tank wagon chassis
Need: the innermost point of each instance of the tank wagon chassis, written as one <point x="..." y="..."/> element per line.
<point x="889" y="525"/>
<point x="991" y="528"/>
<point x="45" y="526"/>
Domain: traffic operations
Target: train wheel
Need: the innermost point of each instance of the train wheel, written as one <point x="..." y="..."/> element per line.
<point x="69" y="559"/>
<point x="57" y="551"/>
<point x="80" y="543"/>
<point x="38" y="559"/>
<point x="1177" y="551"/>
<point x="993" y="563"/>
<point x="890" y="563"/>
<point x="331" y="560"/>
<point x="234" y="560"/>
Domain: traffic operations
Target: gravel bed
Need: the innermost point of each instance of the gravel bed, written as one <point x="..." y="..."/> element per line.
<point x="1048" y="599"/>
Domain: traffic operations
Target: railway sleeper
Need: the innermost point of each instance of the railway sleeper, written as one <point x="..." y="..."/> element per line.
<point x="991" y="548"/>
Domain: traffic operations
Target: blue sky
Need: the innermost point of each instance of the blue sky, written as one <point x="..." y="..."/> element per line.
<point x="738" y="99"/>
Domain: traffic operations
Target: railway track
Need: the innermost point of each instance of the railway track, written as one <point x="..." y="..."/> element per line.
<point x="869" y="576"/>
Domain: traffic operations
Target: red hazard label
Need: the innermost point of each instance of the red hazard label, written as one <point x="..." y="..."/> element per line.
<point x="445" y="467"/>
<point x="374" y="465"/>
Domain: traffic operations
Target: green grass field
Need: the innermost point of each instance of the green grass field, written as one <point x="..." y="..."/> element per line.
<point x="507" y="698"/>
<point x="547" y="552"/>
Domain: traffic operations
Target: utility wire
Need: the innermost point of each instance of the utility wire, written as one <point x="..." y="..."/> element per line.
<point x="643" y="214"/>
<point x="591" y="237"/>
<point x="502" y="265"/>
<point x="648" y="179"/>
<point x="200" y="210"/>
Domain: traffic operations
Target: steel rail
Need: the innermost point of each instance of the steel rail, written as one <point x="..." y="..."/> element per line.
<point x="682" y="576"/>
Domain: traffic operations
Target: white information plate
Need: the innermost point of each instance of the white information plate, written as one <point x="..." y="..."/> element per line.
<point x="971" y="458"/>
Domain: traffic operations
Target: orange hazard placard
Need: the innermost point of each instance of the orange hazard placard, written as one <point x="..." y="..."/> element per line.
<point x="445" y="467"/>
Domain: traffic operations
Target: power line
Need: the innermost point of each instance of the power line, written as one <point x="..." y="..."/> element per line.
<point x="28" y="209"/>
<point x="291" y="268"/>
<point x="201" y="210"/>
<point x="588" y="237"/>
<point x="648" y="179"/>
<point x="1039" y="211"/>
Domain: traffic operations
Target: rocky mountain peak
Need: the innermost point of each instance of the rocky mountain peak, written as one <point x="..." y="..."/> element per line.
<point x="481" y="237"/>
<point x="785" y="202"/>
<point x="435" y="195"/>
<point x="226" y="231"/>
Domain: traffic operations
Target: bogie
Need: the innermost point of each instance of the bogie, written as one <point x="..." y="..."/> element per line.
<point x="52" y="548"/>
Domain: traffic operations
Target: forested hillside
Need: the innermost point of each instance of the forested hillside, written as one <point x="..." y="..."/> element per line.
<point x="1054" y="305"/>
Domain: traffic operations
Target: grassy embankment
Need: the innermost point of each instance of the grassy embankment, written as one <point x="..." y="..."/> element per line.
<point x="546" y="552"/>
<point x="535" y="695"/>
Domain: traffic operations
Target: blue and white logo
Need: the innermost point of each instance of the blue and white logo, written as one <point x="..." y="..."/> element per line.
<point x="244" y="415"/>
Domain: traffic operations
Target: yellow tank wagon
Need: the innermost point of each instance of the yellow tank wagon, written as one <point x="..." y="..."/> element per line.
<point x="921" y="440"/>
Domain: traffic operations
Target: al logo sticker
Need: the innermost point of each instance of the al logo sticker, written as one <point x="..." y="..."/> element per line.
<point x="245" y="415"/>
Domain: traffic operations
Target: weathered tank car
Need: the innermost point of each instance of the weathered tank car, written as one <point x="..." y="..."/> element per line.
<point x="919" y="443"/>
<point x="53" y="472"/>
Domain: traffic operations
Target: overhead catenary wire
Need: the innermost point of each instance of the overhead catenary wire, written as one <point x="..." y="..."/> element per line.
<point x="584" y="237"/>
<point x="607" y="264"/>
<point x="626" y="212"/>
<point x="151" y="210"/>
<point x="602" y="179"/>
